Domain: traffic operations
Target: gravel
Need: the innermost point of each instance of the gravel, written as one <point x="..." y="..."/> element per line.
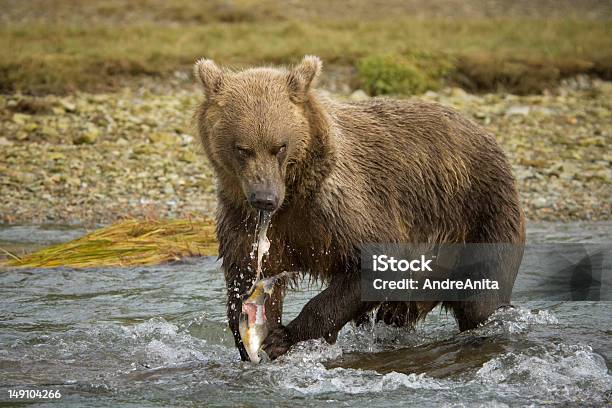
<point x="94" y="158"/>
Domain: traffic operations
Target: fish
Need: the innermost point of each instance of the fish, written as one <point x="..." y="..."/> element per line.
<point x="253" y="323"/>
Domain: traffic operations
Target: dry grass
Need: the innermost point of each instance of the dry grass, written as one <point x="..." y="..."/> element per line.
<point x="128" y="243"/>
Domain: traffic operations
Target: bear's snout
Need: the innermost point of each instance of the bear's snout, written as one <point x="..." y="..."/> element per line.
<point x="263" y="199"/>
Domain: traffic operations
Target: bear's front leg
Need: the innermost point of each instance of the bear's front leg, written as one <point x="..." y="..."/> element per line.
<point x="322" y="317"/>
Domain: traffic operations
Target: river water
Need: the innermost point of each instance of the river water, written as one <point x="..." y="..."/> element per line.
<point x="157" y="336"/>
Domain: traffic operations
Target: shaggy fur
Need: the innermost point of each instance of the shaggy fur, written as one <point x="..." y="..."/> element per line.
<point x="346" y="174"/>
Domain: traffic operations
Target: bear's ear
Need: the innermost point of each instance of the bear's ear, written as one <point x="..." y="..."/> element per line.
<point x="209" y="75"/>
<point x="303" y="76"/>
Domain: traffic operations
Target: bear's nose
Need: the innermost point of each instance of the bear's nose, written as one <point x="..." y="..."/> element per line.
<point x="263" y="200"/>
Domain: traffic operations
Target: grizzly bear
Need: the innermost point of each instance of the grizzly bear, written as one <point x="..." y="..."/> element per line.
<point x="336" y="175"/>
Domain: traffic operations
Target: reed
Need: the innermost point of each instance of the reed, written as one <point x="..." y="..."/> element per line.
<point x="128" y="243"/>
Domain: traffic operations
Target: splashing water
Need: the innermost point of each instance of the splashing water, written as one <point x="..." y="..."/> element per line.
<point x="555" y="371"/>
<point x="263" y="243"/>
<point x="158" y="336"/>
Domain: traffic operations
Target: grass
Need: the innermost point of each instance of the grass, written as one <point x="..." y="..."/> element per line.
<point x="391" y="75"/>
<point x="127" y="243"/>
<point x="518" y="54"/>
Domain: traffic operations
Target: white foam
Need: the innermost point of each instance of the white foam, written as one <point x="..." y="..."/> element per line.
<point x="375" y="337"/>
<point x="165" y="354"/>
<point x="558" y="372"/>
<point x="157" y="342"/>
<point x="152" y="327"/>
<point x="302" y="370"/>
<point x="319" y="380"/>
<point x="516" y="320"/>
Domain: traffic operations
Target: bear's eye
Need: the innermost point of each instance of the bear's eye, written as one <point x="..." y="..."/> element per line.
<point x="244" y="152"/>
<point x="280" y="150"/>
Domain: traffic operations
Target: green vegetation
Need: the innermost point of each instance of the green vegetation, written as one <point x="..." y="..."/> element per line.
<point x="100" y="45"/>
<point x="391" y="75"/>
<point x="405" y="74"/>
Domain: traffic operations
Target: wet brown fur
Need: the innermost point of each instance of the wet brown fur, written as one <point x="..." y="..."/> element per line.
<point x="377" y="171"/>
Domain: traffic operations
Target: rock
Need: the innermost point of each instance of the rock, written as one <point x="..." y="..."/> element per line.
<point x="541" y="202"/>
<point x="30" y="127"/>
<point x="456" y="92"/>
<point x="524" y="174"/>
<point x="29" y="105"/>
<point x="62" y="124"/>
<point x="569" y="171"/>
<point x="188" y="157"/>
<point x="517" y="110"/>
<point x="603" y="113"/>
<point x="48" y="131"/>
<point x="56" y="156"/>
<point x="21" y="118"/>
<point x="89" y="136"/>
<point x="359" y="95"/>
<point x="556" y="167"/>
<point x="592" y="141"/>
<point x="68" y="106"/>
<point x="5" y="142"/>
<point x="169" y="190"/>
<point x="162" y="138"/>
<point x="73" y="181"/>
<point x="134" y="119"/>
<point x="186" y="139"/>
<point x="562" y="166"/>
<point x="543" y="111"/>
<point x="26" y="178"/>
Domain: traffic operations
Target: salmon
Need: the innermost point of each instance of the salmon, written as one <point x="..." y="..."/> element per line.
<point x="253" y="323"/>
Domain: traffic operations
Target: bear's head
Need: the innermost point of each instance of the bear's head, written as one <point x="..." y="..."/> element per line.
<point x="254" y="127"/>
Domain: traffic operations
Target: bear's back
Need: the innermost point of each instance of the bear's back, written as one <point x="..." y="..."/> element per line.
<point x="414" y="170"/>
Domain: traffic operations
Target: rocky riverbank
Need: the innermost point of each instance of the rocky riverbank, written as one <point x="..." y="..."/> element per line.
<point x="94" y="158"/>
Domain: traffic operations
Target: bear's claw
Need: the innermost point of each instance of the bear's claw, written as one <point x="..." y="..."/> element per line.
<point x="277" y="343"/>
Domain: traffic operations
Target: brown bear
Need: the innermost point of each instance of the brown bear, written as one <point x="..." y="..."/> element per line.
<point x="337" y="175"/>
